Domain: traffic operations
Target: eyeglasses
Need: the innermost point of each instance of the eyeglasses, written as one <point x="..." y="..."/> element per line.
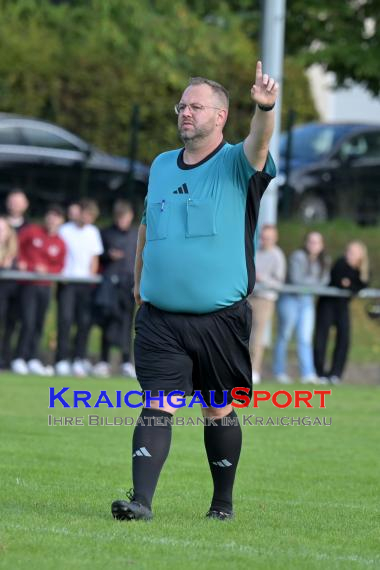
<point x="194" y="108"/>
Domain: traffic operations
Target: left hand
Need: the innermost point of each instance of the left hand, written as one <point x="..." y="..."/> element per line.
<point x="116" y="254"/>
<point x="265" y="89"/>
<point x="40" y="268"/>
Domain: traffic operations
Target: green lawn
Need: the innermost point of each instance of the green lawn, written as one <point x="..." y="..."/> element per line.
<point x="305" y="498"/>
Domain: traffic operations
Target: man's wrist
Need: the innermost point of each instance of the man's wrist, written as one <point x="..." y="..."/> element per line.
<point x="266" y="108"/>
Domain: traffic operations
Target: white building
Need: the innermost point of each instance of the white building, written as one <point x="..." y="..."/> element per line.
<point x="352" y="104"/>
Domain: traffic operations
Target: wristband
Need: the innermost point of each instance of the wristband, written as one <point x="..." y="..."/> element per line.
<point x="265" y="107"/>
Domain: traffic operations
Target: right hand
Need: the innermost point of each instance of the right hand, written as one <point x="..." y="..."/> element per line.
<point x="22" y="265"/>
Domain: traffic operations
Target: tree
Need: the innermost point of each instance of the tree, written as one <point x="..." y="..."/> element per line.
<point x="341" y="36"/>
<point x="85" y="64"/>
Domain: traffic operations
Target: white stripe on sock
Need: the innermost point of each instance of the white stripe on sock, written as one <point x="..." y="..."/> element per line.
<point x="222" y="463"/>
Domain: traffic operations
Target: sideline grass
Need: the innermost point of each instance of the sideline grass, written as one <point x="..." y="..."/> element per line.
<point x="305" y="497"/>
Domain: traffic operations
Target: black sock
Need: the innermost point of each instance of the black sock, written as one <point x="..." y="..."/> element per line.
<point x="223" y="445"/>
<point x="150" y="448"/>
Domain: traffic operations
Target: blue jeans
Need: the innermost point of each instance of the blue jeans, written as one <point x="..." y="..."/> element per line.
<point x="295" y="312"/>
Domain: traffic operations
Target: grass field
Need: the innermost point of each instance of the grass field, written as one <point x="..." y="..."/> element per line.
<point x="305" y="498"/>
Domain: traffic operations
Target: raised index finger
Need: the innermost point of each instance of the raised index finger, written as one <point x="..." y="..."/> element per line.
<point x="259" y="71"/>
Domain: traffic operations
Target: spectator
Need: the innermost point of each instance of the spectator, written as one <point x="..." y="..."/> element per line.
<point x="73" y="212"/>
<point x="350" y="273"/>
<point x="8" y="244"/>
<point x="119" y="242"/>
<point x="8" y="253"/>
<point x="307" y="266"/>
<point x="84" y="245"/>
<point x="270" y="271"/>
<point x="41" y="250"/>
<point x="17" y="205"/>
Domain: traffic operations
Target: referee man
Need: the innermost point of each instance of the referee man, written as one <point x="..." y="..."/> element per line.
<point x="193" y="272"/>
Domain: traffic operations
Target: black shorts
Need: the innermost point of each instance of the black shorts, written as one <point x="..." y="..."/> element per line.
<point x="187" y="352"/>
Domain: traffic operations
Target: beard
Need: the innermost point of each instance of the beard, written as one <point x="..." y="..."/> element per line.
<point x="195" y="134"/>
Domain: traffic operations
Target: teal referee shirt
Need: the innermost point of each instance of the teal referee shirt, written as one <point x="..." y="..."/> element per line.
<point x="200" y="224"/>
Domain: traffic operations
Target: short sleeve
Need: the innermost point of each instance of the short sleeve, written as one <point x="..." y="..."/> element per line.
<point x="62" y="231"/>
<point x="143" y="217"/>
<point x="98" y="244"/>
<point x="242" y="171"/>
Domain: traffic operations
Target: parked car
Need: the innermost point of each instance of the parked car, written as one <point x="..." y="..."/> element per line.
<point x="53" y="165"/>
<point x="334" y="170"/>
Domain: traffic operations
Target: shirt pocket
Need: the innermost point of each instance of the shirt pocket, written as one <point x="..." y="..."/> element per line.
<point x="200" y="218"/>
<point x="157" y="220"/>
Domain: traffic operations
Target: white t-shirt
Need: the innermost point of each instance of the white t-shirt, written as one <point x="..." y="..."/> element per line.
<point x="82" y="243"/>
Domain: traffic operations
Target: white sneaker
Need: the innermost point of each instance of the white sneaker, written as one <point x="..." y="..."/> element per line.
<point x="78" y="368"/>
<point x="49" y="370"/>
<point x="87" y="365"/>
<point x="35" y="366"/>
<point x="309" y="379"/>
<point x="19" y="366"/>
<point x="63" y="368"/>
<point x="335" y="380"/>
<point x="101" y="370"/>
<point x="283" y="379"/>
<point x="128" y="369"/>
<point x="323" y="380"/>
<point x="256" y="378"/>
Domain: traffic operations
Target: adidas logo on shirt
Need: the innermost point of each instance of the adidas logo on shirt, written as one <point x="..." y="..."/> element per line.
<point x="182" y="189"/>
<point x="142" y="452"/>
<point x="222" y="463"/>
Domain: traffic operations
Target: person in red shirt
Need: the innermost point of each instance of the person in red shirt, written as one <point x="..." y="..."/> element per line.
<point x="41" y="250"/>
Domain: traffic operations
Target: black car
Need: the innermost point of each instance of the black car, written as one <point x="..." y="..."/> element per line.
<point x="334" y="170"/>
<point x="53" y="165"/>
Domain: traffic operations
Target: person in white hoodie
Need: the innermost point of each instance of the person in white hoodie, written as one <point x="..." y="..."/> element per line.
<point x="270" y="271"/>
